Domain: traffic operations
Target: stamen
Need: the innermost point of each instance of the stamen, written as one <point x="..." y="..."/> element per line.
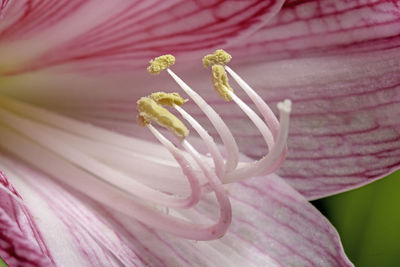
<point x="149" y="111"/>
<point x="268" y="115"/>
<point x="220" y="82"/>
<point x="160" y="63"/>
<point x="219" y="57"/>
<point x="168" y="99"/>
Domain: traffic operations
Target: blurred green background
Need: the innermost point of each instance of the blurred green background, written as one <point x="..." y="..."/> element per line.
<point x="368" y="221"/>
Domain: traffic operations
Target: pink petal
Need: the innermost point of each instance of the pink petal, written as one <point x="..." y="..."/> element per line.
<point x="326" y="27"/>
<point x="21" y="241"/>
<point x="74" y="236"/>
<point x="295" y="233"/>
<point x="273" y="225"/>
<point x="3" y="5"/>
<point x="121" y="34"/>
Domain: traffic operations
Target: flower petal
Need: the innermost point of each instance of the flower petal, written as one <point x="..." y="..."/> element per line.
<point x="345" y="128"/>
<point x="284" y="224"/>
<point x="272" y="225"/>
<point x="3" y="5"/>
<point x="21" y="241"/>
<point x="326" y="27"/>
<point x="121" y="34"/>
<point x="65" y="223"/>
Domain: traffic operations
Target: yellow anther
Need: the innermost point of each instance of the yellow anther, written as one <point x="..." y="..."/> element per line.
<point x="220" y="81"/>
<point x="168" y="99"/>
<point x="219" y="57"/>
<point x="160" y="63"/>
<point x="149" y="111"/>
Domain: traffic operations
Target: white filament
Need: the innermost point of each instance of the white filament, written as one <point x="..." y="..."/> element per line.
<point x="267" y="113"/>
<point x="266" y="163"/>
<point x="208" y="140"/>
<point x="223" y="130"/>
<point x="261" y="126"/>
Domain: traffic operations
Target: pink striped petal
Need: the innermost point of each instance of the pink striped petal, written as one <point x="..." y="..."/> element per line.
<point x="121" y="34"/>
<point x="74" y="235"/>
<point x="284" y="224"/>
<point x="21" y="243"/>
<point x="273" y="225"/>
<point x="326" y="27"/>
<point x="345" y="130"/>
<point x="3" y="5"/>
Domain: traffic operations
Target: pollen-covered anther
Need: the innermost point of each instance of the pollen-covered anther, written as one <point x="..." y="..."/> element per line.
<point x="219" y="57"/>
<point x="149" y="111"/>
<point x="220" y="82"/>
<point x="160" y="63"/>
<point x="168" y="99"/>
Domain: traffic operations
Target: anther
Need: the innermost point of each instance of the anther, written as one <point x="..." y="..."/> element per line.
<point x="160" y="63"/>
<point x="219" y="57"/>
<point x="168" y="99"/>
<point x="149" y="111"/>
<point x="220" y="82"/>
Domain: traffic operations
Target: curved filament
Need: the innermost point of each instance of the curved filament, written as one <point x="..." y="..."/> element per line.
<point x="225" y="217"/>
<point x="268" y="162"/>
<point x="223" y="130"/>
<point x="264" y="109"/>
<point x="208" y="140"/>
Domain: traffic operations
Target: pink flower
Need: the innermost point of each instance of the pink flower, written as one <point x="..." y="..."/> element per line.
<point x="65" y="64"/>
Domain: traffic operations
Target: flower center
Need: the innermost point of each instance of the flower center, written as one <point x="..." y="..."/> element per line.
<point x="135" y="177"/>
